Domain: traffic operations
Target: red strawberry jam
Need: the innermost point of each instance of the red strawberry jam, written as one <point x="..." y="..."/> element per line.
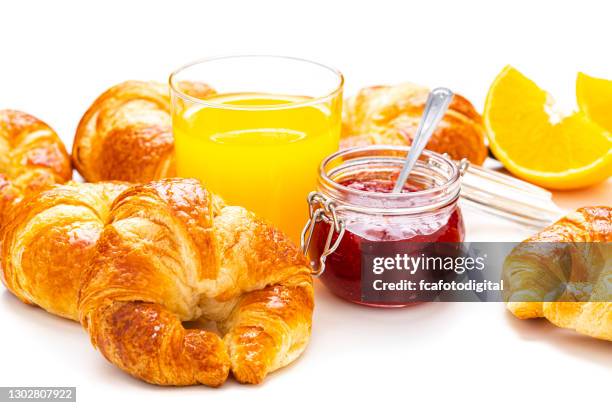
<point x="342" y="273"/>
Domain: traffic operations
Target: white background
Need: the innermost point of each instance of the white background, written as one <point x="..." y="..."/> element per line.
<point x="56" y="57"/>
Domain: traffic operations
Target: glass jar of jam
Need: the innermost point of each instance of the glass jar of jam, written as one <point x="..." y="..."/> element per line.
<point x="361" y="214"/>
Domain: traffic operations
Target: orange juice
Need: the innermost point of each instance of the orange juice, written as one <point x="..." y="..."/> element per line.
<point x="259" y="151"/>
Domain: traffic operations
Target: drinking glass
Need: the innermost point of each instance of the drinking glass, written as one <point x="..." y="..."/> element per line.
<point x="259" y="138"/>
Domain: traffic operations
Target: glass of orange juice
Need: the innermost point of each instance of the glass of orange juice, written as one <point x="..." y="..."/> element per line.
<point x="258" y="141"/>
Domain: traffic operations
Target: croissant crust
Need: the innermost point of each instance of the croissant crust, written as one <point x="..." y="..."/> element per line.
<point x="133" y="262"/>
<point x="390" y="115"/>
<point x="32" y="157"/>
<point x="48" y="241"/>
<point x="126" y="133"/>
<point x="532" y="270"/>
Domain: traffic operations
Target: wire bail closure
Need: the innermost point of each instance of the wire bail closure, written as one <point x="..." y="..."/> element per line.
<point x="322" y="209"/>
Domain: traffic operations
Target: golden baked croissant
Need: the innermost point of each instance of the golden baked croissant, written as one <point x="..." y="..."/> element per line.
<point x="173" y="252"/>
<point x="170" y="252"/>
<point x="391" y="114"/>
<point x="126" y="133"/>
<point x="48" y="241"/>
<point x="32" y="157"/>
<point x="533" y="270"/>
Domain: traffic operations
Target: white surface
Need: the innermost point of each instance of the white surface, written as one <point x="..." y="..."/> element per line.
<point x="57" y="57"/>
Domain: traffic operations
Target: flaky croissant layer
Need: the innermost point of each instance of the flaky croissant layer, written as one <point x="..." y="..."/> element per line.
<point x="48" y="241"/>
<point x="134" y="262"/>
<point x="390" y="115"/>
<point x="126" y="133"/>
<point x="32" y="158"/>
<point x="534" y="270"/>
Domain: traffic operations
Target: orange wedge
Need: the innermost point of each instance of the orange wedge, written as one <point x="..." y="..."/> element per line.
<point x="595" y="99"/>
<point x="537" y="143"/>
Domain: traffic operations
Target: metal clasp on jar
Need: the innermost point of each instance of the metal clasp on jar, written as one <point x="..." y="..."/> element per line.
<point x="322" y="209"/>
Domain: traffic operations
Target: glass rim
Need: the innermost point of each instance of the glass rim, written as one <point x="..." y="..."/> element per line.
<point x="173" y="82"/>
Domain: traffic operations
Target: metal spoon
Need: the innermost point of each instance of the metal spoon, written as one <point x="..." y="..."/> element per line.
<point x="435" y="108"/>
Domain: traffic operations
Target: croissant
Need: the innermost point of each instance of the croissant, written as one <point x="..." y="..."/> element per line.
<point x="173" y="252"/>
<point x="391" y="114"/>
<point x="533" y="270"/>
<point x="32" y="157"/>
<point x="49" y="240"/>
<point x="126" y="133"/>
<point x="132" y="263"/>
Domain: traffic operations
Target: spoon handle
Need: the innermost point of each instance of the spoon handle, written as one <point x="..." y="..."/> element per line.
<point x="435" y="108"/>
